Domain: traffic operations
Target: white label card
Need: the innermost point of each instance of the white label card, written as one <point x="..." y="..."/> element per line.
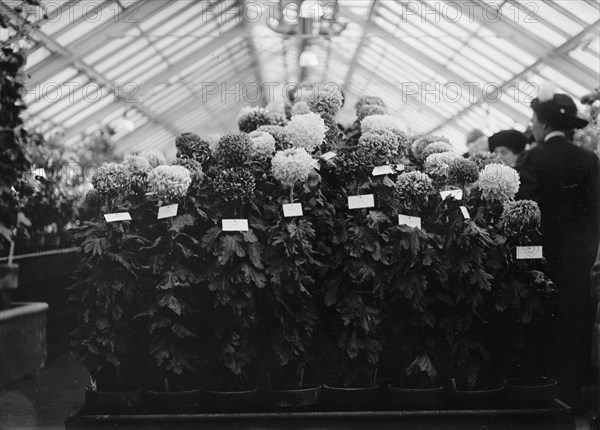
<point x="457" y="194"/>
<point x="121" y="216"/>
<point x="411" y="221"/>
<point x="362" y="201"/>
<point x="235" y="224"/>
<point x="39" y="172"/>
<point x="465" y="212"/>
<point x="328" y="155"/>
<point x="529" y="252"/>
<point x="292" y="209"/>
<point x="400" y="167"/>
<point x="383" y="170"/>
<point x="167" y="211"/>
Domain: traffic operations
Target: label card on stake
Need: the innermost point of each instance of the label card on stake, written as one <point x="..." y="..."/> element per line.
<point x="292" y="209"/>
<point x="411" y="221"/>
<point x="383" y="170"/>
<point x="235" y="224"/>
<point x="465" y="212"/>
<point x="39" y="172"/>
<point x="167" y="211"/>
<point x="121" y="216"/>
<point x="529" y="252"/>
<point x="328" y="155"/>
<point x="361" y="201"/>
<point x="457" y="194"/>
<point x="400" y="167"/>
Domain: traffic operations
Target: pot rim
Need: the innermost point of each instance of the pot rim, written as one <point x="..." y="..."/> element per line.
<point x="395" y="387"/>
<point x="296" y="390"/>
<point x="194" y="391"/>
<point x="253" y="390"/>
<point x="549" y="382"/>
<point x="89" y="390"/>
<point x="375" y="387"/>
<point x="490" y="390"/>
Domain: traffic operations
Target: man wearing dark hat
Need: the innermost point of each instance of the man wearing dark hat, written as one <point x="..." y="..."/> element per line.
<point x="509" y="145"/>
<point x="564" y="179"/>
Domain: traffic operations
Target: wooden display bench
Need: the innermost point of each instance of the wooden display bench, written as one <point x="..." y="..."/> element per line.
<point x="558" y="417"/>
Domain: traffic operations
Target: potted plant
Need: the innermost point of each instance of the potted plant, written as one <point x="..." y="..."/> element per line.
<point x="105" y="292"/>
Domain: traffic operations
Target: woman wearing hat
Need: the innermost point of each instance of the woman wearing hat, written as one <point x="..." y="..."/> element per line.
<point x="564" y="179"/>
<point x="509" y="145"/>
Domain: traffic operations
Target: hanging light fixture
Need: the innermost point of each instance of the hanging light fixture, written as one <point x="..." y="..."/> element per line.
<point x="311" y="9"/>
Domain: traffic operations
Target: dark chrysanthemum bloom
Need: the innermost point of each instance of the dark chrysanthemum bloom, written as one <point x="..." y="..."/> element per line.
<point x="369" y="100"/>
<point x="278" y="134"/>
<point x="520" y="216"/>
<point x="254" y="118"/>
<point x="368" y="110"/>
<point x="94" y="198"/>
<point x="383" y="146"/>
<point x="414" y="188"/>
<point x="234" y="149"/>
<point x="325" y="101"/>
<point x="111" y="179"/>
<point x="139" y="169"/>
<point x="332" y="135"/>
<point x="462" y="171"/>
<point x="190" y="145"/>
<point x="277" y="119"/>
<point x="195" y="168"/>
<point x="234" y="186"/>
<point x="484" y="158"/>
<point x="352" y="166"/>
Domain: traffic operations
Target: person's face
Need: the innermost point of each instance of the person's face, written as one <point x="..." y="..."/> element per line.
<point x="506" y="155"/>
<point x="538" y="128"/>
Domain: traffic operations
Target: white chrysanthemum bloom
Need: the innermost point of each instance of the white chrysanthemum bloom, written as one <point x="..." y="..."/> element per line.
<point x="277" y="107"/>
<point x="155" y="158"/>
<point x="291" y="166"/>
<point x="169" y="182"/>
<point x="263" y="145"/>
<point x="438" y="159"/>
<point x="300" y="108"/>
<point x="498" y="182"/>
<point x="377" y="123"/>
<point x="306" y="131"/>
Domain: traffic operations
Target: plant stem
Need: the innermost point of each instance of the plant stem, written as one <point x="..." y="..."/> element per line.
<point x="292" y="194"/>
<point x="374" y="377"/>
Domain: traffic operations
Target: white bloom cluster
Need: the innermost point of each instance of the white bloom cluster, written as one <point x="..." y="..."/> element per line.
<point x="498" y="183"/>
<point x="291" y="166"/>
<point x="306" y="131"/>
<point x="377" y="123"/>
<point x="263" y="145"/>
<point x="169" y="182"/>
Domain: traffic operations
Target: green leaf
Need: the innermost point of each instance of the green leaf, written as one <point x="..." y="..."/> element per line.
<point x="182" y="221"/>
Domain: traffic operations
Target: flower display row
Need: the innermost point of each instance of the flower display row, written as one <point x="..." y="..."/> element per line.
<point x="289" y="255"/>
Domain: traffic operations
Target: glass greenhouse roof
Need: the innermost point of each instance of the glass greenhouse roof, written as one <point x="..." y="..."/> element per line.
<point x="190" y="66"/>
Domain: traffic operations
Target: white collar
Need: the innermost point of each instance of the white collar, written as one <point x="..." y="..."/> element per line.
<point x="553" y="134"/>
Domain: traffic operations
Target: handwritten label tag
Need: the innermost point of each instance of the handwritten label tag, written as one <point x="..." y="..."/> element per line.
<point x="121" y="216"/>
<point x="317" y="166"/>
<point x="167" y="211"/>
<point x="362" y="201"/>
<point x="39" y="172"/>
<point x="457" y="194"/>
<point x="529" y="252"/>
<point x="411" y="221"/>
<point x="383" y="170"/>
<point x="400" y="167"/>
<point x="465" y="212"/>
<point x="235" y="224"/>
<point x="292" y="209"/>
<point x="328" y="155"/>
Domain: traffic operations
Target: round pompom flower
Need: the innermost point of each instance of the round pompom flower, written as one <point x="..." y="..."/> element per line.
<point x="436" y="166"/>
<point x="300" y="108"/>
<point x="332" y="135"/>
<point x="306" y="131"/>
<point x="234" y="149"/>
<point x="278" y="134"/>
<point x="325" y="100"/>
<point x="234" y="186"/>
<point x="94" y="198"/>
<point x="111" y="179"/>
<point x="193" y="146"/>
<point x="498" y="183"/>
<point x="354" y="166"/>
<point x="462" y="171"/>
<point x="383" y="145"/>
<point x="263" y="145"/>
<point x="521" y="216"/>
<point x="194" y="167"/>
<point x="419" y="145"/>
<point x="368" y="110"/>
<point x="291" y="166"/>
<point x="250" y="120"/>
<point x="369" y="100"/>
<point x="155" y="158"/>
<point x="436" y="148"/>
<point x="138" y="168"/>
<point x="376" y="123"/>
<point x="169" y="182"/>
<point x="484" y="158"/>
<point x="414" y="188"/>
